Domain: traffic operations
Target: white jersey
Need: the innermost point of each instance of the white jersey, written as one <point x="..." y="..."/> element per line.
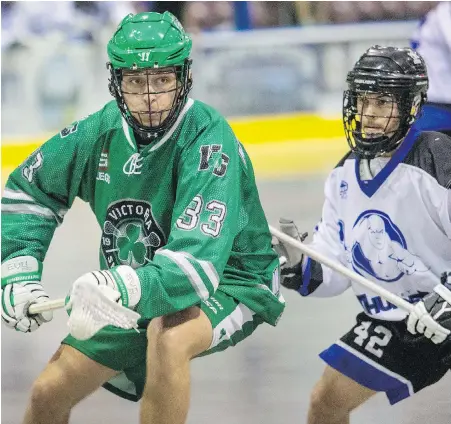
<point x="432" y="40"/>
<point x="394" y="229"/>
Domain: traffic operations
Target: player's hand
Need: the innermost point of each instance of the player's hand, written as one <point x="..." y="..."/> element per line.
<point x="21" y="287"/>
<point x="432" y="315"/>
<point x="405" y="268"/>
<point x="406" y="264"/>
<point x="290" y="257"/>
<point x="119" y="284"/>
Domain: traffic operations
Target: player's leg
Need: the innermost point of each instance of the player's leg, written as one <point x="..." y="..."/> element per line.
<point x="79" y="367"/>
<point x="334" y="397"/>
<point x="69" y="377"/>
<point x="173" y="341"/>
<point x="375" y="356"/>
<point x="220" y="322"/>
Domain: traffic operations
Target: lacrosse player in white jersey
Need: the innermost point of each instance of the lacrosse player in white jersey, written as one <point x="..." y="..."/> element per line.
<point x="386" y="216"/>
<point x="432" y="39"/>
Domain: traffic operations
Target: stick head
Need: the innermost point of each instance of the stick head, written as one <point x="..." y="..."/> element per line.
<point x="92" y="309"/>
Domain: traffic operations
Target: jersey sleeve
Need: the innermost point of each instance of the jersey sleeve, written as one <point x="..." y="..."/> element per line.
<point x="40" y="191"/>
<point x="447" y="214"/>
<point x="438" y="196"/>
<point x="328" y="239"/>
<point x="204" y="224"/>
<point x="437" y="200"/>
<point x="432" y="155"/>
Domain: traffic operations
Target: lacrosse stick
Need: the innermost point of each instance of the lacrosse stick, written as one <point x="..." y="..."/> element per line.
<point x="50" y="305"/>
<point x="91" y="310"/>
<point x="392" y="298"/>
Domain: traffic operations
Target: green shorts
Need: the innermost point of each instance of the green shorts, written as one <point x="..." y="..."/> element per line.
<point x="125" y="350"/>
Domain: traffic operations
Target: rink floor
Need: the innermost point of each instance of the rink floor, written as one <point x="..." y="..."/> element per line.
<point x="264" y="380"/>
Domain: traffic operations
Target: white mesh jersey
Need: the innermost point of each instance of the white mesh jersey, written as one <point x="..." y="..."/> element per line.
<point x="393" y="228"/>
<point x="432" y="40"/>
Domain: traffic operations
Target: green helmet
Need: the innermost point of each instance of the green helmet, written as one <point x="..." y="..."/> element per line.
<point x="150" y="43"/>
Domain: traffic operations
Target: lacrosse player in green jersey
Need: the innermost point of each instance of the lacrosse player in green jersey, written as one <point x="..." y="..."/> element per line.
<point x="184" y="243"/>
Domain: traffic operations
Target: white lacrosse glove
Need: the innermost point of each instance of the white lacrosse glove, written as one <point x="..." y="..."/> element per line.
<point x="119" y="284"/>
<point x="432" y="315"/>
<point x="21" y="287"/>
<point x="102" y="298"/>
<point x="290" y="258"/>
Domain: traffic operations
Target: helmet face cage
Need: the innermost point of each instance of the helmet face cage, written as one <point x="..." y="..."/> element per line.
<point x="154" y="120"/>
<point x="383" y="79"/>
<point x="395" y="123"/>
<point x="363" y="143"/>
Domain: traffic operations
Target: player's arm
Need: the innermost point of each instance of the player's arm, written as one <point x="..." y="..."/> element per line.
<point x="37" y="195"/>
<point x="432" y="315"/>
<point x="306" y="275"/>
<point x="204" y="224"/>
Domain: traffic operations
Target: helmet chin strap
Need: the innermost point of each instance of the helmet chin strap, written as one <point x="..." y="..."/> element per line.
<point x="145" y="136"/>
<point x="390" y="153"/>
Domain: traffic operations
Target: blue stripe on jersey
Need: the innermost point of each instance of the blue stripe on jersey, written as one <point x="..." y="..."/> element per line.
<point x="365" y="373"/>
<point x="434" y="118"/>
<point x="369" y="187"/>
<point x="306" y="274"/>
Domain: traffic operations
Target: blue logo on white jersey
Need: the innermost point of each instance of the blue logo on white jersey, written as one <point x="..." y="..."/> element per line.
<point x="379" y="249"/>
<point x="375" y="305"/>
<point x="344" y="189"/>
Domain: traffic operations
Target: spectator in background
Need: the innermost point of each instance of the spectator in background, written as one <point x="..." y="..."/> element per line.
<point x="174" y="7"/>
<point x="272" y="13"/>
<point x="78" y="20"/>
<point x="219" y="15"/>
<point x="350" y="11"/>
<point x="7" y="37"/>
<point x="433" y="41"/>
<point x="201" y="16"/>
<point x="375" y="11"/>
<point x="417" y="9"/>
<point x="25" y="20"/>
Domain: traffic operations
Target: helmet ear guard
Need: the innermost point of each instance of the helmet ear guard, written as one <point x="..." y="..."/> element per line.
<point x="418" y="101"/>
<point x="111" y="81"/>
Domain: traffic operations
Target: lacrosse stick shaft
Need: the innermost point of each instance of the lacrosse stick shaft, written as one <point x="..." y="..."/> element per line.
<point x="392" y="298"/>
<point x="38" y="308"/>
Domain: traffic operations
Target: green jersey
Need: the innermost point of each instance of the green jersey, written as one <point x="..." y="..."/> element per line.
<point x="184" y="210"/>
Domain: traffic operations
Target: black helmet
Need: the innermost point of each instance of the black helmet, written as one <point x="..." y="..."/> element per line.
<point x="399" y="73"/>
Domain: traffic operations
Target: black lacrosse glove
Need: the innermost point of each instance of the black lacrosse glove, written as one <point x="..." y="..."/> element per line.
<point x="290" y="257"/>
<point x="291" y="277"/>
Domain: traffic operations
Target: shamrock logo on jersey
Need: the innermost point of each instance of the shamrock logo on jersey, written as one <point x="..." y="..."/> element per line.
<point x="130" y="234"/>
<point x="132" y="243"/>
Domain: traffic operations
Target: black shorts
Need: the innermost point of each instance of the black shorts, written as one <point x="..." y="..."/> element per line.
<point x="385" y="357"/>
